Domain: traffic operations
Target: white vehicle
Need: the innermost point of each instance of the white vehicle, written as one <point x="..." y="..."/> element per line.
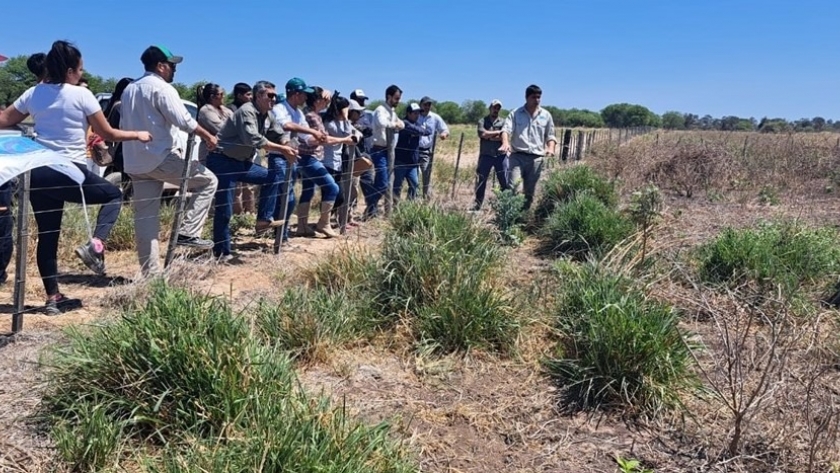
<point x="116" y="177"/>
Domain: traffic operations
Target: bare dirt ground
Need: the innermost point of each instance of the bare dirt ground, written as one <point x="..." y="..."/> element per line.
<point x="471" y="413"/>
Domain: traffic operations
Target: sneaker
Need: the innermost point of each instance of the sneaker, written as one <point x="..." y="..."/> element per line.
<point x="91" y="258"/>
<point x="194" y="242"/>
<point x="58" y="304"/>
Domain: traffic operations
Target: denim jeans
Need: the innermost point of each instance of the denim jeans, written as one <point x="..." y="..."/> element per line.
<point x="375" y="190"/>
<point x="230" y="171"/>
<point x="409" y="173"/>
<point x="485" y="164"/>
<point x="6" y="226"/>
<point x="313" y="173"/>
<point x="271" y="207"/>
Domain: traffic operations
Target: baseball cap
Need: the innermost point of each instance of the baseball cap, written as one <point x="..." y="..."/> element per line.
<point x="426" y="99"/>
<point x="358" y="94"/>
<point x="413" y="107"/>
<point x="354" y="105"/>
<point x="296" y="84"/>
<point x="495" y="102"/>
<point x="155" y="54"/>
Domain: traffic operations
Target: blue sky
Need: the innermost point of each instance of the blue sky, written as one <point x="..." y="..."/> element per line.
<point x="737" y="57"/>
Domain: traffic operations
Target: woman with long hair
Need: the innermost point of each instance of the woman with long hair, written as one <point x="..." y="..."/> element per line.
<point x="212" y="114"/>
<point x="112" y="114"/>
<point x="338" y="126"/>
<point x="62" y="111"/>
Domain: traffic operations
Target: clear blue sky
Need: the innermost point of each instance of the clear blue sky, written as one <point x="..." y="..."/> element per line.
<point x="719" y="57"/>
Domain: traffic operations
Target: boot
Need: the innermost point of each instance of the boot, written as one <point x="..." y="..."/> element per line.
<point x="303" y="221"/>
<point x="323" y="225"/>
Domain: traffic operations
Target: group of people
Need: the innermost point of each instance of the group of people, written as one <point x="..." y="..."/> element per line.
<point x="305" y="136"/>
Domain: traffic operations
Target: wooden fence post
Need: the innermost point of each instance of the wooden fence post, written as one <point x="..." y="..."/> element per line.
<point x="567" y="141"/>
<point x="21" y="249"/>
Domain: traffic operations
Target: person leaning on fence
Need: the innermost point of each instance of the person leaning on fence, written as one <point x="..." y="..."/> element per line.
<point x="62" y="111"/>
<point x="240" y="139"/>
<point x="243" y="196"/>
<point x="528" y="136"/>
<point x="342" y="133"/>
<point x="384" y="117"/>
<point x="489" y="156"/>
<point x="407" y="153"/>
<point x="312" y="170"/>
<point x="152" y="102"/>
<point x="435" y="123"/>
<point x="212" y="115"/>
<point x="291" y="118"/>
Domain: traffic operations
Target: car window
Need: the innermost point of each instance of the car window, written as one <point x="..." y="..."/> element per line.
<point x="192" y="109"/>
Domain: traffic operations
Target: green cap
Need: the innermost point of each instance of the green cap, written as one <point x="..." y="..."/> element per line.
<point x="296" y="84"/>
<point x="155" y="54"/>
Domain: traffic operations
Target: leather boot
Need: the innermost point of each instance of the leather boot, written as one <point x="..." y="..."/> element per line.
<point x="323" y="225"/>
<point x="303" y="220"/>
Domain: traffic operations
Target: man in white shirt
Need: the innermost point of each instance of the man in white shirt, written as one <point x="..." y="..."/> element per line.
<point x="151" y="103"/>
<point x="384" y="117"/>
<point x="528" y="136"/>
<point x="431" y="121"/>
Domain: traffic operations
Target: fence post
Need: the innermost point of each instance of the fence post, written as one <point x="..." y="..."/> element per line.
<point x="21" y="249"/>
<point x="280" y="232"/>
<point x="581" y="146"/>
<point x="390" y="137"/>
<point x="746" y="141"/>
<point x="347" y="157"/>
<point x="567" y="141"/>
<point x="457" y="164"/>
<point x="182" y="202"/>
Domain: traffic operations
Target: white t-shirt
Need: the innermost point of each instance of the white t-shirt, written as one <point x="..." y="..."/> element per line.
<point x="61" y="114"/>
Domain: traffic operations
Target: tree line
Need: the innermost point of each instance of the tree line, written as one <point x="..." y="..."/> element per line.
<point x="15" y="78"/>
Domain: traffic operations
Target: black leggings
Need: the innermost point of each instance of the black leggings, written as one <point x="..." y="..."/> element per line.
<point x="49" y="190"/>
<point x="6" y="226"/>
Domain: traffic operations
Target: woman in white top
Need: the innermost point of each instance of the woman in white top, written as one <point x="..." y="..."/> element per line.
<point x="62" y="112"/>
<point x="338" y="126"/>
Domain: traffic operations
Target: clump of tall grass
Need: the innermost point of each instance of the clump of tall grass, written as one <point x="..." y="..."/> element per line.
<point x="584" y="226"/>
<point x="562" y="185"/>
<point x="509" y="216"/>
<point x="442" y="269"/>
<point x="185" y="374"/>
<point x="619" y="348"/>
<point x="783" y="253"/>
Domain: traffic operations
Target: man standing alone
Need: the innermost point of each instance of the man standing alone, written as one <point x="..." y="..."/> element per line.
<point x="489" y="157"/>
<point x="528" y="136"/>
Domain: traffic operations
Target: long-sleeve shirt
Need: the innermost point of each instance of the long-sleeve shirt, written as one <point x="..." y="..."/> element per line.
<point x="384" y="117"/>
<point x="211" y="119"/>
<point x="408" y="143"/>
<point x="529" y="134"/>
<point x="433" y="122"/>
<point x="152" y="104"/>
<point x="245" y="132"/>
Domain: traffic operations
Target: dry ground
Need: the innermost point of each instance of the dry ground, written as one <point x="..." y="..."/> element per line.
<point x="468" y="413"/>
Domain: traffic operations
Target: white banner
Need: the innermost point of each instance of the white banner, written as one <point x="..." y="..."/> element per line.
<point x="19" y="154"/>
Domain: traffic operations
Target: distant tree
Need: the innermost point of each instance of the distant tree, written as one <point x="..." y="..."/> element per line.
<point x="774" y="125"/>
<point x="15" y="78"/>
<point x="674" y="121"/>
<point x="583" y="118"/>
<point x="624" y="115"/>
<point x="98" y="84"/>
<point x="819" y="123"/>
<point x="692" y="121"/>
<point x="706" y="123"/>
<point x="450" y="112"/>
<point x="473" y="110"/>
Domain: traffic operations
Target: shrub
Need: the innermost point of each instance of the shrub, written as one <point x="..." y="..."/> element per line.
<point x="782" y="252"/>
<point x="564" y="184"/>
<point x="509" y="215"/>
<point x="619" y="348"/>
<point x="583" y="226"/>
<point x="440" y="269"/>
<point x="183" y="372"/>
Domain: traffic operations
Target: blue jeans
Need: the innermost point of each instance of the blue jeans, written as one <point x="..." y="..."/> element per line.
<point x="6" y="226"/>
<point x="230" y="171"/>
<point x="407" y="172"/>
<point x="375" y="190"/>
<point x="271" y="208"/>
<point x="485" y="164"/>
<point x="313" y="173"/>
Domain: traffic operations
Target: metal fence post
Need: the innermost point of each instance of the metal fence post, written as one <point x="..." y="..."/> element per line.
<point x="346" y="184"/>
<point x="390" y="137"/>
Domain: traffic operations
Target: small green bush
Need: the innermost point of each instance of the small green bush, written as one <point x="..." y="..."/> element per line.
<point x="619" y="348"/>
<point x="441" y="268"/>
<point x="782" y="252"/>
<point x="186" y="374"/>
<point x="584" y="226"/>
<point x="562" y="185"/>
<point x="508" y="216"/>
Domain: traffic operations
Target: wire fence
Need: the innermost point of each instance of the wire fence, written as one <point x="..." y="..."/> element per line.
<point x="572" y="145"/>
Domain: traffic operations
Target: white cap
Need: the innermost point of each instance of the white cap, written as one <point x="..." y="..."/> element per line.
<point x="359" y="94"/>
<point x="413" y="107"/>
<point x="355" y="105"/>
<point x="495" y="102"/>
